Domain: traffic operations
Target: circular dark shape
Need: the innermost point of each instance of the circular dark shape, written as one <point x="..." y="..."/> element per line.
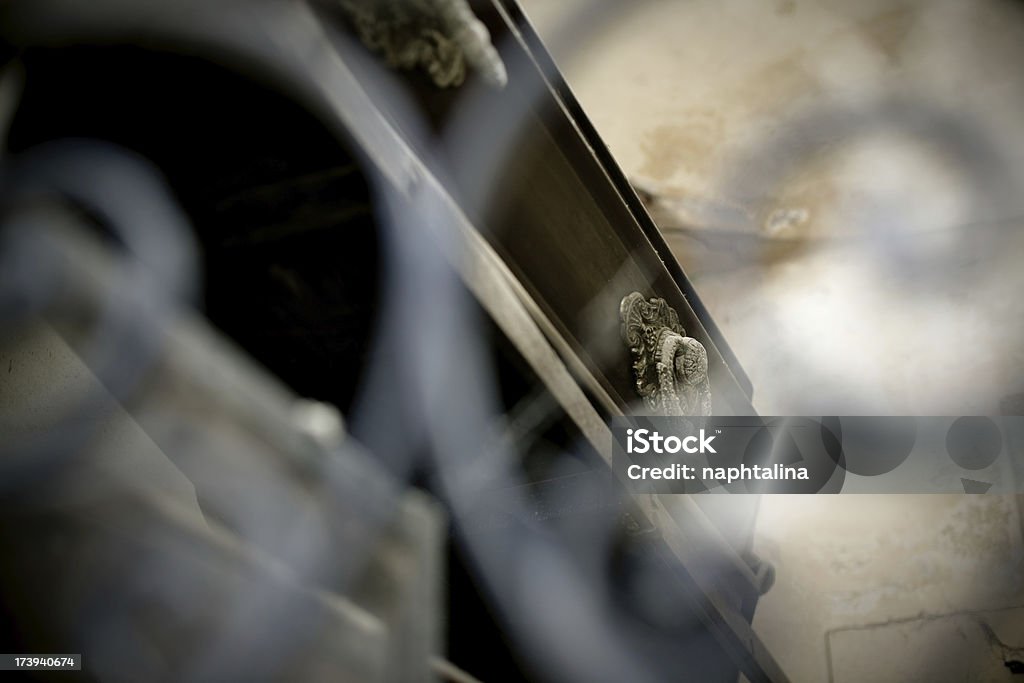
<point x="973" y="442"/>
<point x="871" y="446"/>
<point x="796" y="443"/>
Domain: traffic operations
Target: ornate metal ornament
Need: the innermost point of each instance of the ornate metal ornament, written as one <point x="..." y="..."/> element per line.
<point x="671" y="369"/>
<point x="442" y="37"/>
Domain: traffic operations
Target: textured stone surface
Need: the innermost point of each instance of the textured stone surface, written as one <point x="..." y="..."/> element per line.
<point x="973" y="648"/>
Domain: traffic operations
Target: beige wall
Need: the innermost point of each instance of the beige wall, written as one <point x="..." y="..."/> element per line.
<point x="735" y="114"/>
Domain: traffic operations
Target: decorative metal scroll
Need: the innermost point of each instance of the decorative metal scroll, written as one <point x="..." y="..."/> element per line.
<point x="671" y="369"/>
<point x="442" y="37"/>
